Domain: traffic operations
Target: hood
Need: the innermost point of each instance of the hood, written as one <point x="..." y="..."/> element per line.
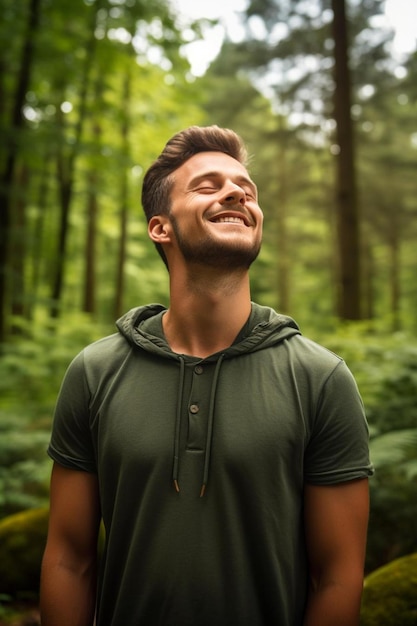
<point x="265" y="328"/>
<point x="142" y="329"/>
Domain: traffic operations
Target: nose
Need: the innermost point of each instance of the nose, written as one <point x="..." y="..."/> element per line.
<point x="233" y="194"/>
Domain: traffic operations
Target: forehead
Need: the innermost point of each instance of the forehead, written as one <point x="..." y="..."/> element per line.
<point x="210" y="162"/>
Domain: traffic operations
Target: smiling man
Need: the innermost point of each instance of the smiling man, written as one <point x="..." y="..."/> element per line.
<point x="226" y="454"/>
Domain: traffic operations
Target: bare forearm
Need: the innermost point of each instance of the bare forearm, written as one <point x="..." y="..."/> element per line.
<point x="67" y="597"/>
<point x="333" y="605"/>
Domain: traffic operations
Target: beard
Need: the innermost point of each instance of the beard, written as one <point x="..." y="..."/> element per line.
<point x="212" y="253"/>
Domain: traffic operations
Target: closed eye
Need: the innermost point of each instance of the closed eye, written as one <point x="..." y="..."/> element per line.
<point x="249" y="193"/>
<point x="206" y="189"/>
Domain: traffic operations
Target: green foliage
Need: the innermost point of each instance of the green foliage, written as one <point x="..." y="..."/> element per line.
<point x="392" y="530"/>
<point x="31" y="371"/>
<point x="396" y="448"/>
<point x="396" y="403"/>
<point x="24" y="470"/>
<point x="384" y="366"/>
<point x="389" y="597"/>
<point x="32" y="366"/>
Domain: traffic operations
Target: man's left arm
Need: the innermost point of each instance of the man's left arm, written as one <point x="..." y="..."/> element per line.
<point x="336" y="522"/>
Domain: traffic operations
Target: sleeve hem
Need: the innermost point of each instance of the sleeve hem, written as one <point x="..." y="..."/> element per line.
<point x="342" y="476"/>
<point x="71" y="463"/>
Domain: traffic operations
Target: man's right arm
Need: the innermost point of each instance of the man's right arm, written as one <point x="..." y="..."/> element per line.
<point x="69" y="566"/>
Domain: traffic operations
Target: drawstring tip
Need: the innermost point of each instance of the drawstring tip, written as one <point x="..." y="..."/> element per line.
<point x="203" y="490"/>
<point x="176" y="485"/>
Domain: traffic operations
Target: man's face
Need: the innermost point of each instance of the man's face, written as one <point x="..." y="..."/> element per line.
<point x="215" y="216"/>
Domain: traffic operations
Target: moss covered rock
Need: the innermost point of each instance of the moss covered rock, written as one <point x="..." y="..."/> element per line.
<point x="390" y="594"/>
<point x="22" y="542"/>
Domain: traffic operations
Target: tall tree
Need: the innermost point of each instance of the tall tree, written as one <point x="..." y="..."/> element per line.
<point x="89" y="298"/>
<point x="12" y="150"/>
<point x="67" y="160"/>
<point x="124" y="187"/>
<point x="346" y="192"/>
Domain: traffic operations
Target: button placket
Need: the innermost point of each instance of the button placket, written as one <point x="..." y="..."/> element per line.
<point x="197" y="408"/>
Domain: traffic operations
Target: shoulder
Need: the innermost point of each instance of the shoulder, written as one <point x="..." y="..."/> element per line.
<point x="311" y="358"/>
<point x="321" y="372"/>
<point x="307" y="349"/>
<point x="109" y="347"/>
<point x="97" y="360"/>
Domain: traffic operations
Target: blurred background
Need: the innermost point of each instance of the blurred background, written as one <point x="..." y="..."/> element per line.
<point x="323" y="92"/>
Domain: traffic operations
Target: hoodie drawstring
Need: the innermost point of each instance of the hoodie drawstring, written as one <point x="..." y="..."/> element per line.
<point x="178" y="427"/>
<point x="209" y="436"/>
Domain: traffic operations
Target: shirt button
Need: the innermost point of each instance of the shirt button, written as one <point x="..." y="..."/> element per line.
<point x="199" y="369"/>
<point x="194" y="408"/>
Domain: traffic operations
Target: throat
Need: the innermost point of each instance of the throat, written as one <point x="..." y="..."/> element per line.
<point x="213" y="285"/>
<point x="205" y="328"/>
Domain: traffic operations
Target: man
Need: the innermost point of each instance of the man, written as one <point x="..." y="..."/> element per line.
<point x="226" y="454"/>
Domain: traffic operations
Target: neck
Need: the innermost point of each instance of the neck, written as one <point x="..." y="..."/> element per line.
<point x="206" y="312"/>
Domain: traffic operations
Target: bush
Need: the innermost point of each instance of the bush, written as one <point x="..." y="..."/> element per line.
<point x="24" y="465"/>
<point x="389" y="597"/>
<point x="22" y="542"/>
<point x="385" y="367"/>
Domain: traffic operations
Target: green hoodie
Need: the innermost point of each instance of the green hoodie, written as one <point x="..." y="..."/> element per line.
<point x="201" y="466"/>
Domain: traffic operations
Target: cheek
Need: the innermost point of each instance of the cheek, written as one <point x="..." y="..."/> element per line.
<point x="259" y="216"/>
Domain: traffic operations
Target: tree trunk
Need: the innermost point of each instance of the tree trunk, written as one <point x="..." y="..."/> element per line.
<point x="37" y="235"/>
<point x="346" y="193"/>
<point x="66" y="169"/>
<point x="368" y="282"/>
<point x="7" y="176"/>
<point x="395" y="288"/>
<point x="281" y="220"/>
<point x="17" y="252"/>
<point x="121" y="258"/>
<point x="89" y="300"/>
<point x="65" y="194"/>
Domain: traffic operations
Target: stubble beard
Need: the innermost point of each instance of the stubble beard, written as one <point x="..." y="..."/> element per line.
<point x="211" y="253"/>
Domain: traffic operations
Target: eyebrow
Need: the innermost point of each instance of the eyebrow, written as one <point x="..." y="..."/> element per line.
<point x="216" y="174"/>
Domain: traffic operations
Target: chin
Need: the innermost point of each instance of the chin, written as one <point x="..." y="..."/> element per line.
<point x="227" y="258"/>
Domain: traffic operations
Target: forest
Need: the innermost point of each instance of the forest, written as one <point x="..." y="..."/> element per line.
<point x="90" y="91"/>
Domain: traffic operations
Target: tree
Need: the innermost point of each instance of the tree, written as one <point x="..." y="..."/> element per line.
<point x="9" y="159"/>
<point x="67" y="158"/>
<point x="346" y="196"/>
<point x="122" y="252"/>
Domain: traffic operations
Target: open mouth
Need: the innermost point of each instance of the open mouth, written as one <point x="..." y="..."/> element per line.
<point x="231" y="219"/>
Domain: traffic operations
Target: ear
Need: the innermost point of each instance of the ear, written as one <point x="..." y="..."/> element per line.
<point x="159" y="229"/>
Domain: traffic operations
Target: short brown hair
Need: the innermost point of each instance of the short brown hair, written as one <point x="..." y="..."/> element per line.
<point x="158" y="180"/>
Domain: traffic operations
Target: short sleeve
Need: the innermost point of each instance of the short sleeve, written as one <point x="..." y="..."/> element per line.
<point x="71" y="443"/>
<point x="338" y="449"/>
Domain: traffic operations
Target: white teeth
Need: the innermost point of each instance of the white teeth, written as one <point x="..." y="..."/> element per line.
<point x="235" y="220"/>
